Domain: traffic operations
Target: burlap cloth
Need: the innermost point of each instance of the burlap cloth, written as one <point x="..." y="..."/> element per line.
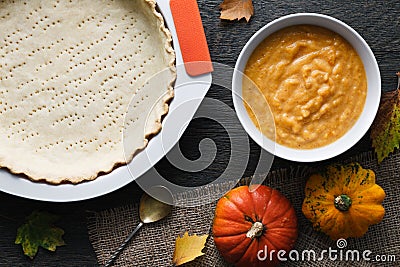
<point x="154" y="244"/>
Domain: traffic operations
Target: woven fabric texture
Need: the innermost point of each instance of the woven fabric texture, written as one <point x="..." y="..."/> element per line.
<point x="154" y="243"/>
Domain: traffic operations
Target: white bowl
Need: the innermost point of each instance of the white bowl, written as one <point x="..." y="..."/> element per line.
<point x="373" y="91"/>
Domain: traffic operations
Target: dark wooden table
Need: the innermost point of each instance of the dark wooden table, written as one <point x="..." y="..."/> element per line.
<point x="377" y="21"/>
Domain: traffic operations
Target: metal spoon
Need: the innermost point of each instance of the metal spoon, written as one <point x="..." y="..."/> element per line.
<point x="150" y="210"/>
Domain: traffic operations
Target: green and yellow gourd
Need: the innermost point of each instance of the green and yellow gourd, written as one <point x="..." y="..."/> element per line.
<point x="343" y="201"/>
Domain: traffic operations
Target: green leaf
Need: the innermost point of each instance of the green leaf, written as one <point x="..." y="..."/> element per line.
<point x="385" y="131"/>
<point x="39" y="231"/>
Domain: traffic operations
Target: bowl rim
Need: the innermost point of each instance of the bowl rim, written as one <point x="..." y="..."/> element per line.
<point x="363" y="123"/>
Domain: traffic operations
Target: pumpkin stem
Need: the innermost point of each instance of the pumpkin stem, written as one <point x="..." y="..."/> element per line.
<point x="256" y="230"/>
<point x="343" y="202"/>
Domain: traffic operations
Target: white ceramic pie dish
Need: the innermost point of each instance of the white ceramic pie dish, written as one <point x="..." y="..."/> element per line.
<point x="373" y="91"/>
<point x="188" y="93"/>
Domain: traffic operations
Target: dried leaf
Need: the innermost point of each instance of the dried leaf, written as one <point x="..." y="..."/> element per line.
<point x="236" y="9"/>
<point x="187" y="248"/>
<point x="39" y="231"/>
<point x="385" y="131"/>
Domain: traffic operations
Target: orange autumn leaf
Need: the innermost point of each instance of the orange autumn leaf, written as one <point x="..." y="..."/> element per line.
<point x="236" y="9"/>
<point x="187" y="248"/>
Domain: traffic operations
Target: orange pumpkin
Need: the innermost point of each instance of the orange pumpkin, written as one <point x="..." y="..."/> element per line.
<point x="248" y="224"/>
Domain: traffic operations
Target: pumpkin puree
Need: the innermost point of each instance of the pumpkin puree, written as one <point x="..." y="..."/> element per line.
<point x="314" y="82"/>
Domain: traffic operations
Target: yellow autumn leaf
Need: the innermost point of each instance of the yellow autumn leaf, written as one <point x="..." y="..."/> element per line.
<point x="237" y="9"/>
<point x="187" y="248"/>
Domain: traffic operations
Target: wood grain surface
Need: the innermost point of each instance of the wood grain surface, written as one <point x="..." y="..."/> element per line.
<point x="377" y="21"/>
